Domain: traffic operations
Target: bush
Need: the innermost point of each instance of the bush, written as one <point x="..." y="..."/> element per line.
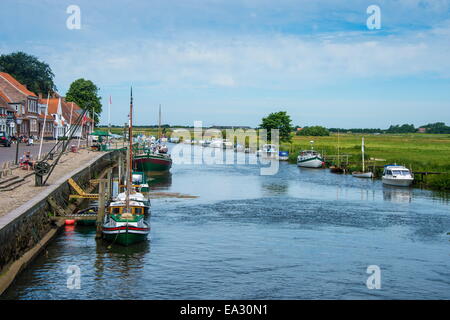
<point x="316" y="131"/>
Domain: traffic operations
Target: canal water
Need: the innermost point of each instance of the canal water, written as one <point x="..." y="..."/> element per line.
<point x="299" y="234"/>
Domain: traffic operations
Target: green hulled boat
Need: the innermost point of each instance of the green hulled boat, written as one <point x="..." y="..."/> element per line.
<point x="152" y="162"/>
<point x="125" y="228"/>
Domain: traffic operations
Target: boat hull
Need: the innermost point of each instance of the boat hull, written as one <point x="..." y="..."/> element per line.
<point x="152" y="163"/>
<point x="397" y="182"/>
<point x="367" y="175"/>
<point x="124" y="237"/>
<point x="315" y="162"/>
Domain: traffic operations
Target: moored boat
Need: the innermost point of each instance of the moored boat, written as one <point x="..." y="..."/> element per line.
<point x="310" y="159"/>
<point x="152" y="161"/>
<point x="125" y="222"/>
<point x="125" y="229"/>
<point x="283" y="155"/>
<point x="269" y="151"/>
<point x="363" y="173"/>
<point x="399" y="176"/>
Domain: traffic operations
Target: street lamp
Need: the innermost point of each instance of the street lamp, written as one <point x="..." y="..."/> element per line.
<point x="18" y="123"/>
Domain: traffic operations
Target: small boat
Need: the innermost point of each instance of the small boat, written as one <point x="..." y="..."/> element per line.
<point x="139" y="181"/>
<point x="310" y="158"/>
<point x="125" y="222"/>
<point x="162" y="149"/>
<point x="227" y="144"/>
<point x="362" y="174"/>
<point x="283" y="155"/>
<point x="149" y="161"/>
<point x="216" y="143"/>
<point x="269" y="151"/>
<point x="136" y="197"/>
<point x="337" y="169"/>
<point x="399" y="176"/>
<point x="357" y="174"/>
<point x="125" y="229"/>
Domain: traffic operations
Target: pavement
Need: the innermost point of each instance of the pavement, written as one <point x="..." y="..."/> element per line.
<point x="9" y="154"/>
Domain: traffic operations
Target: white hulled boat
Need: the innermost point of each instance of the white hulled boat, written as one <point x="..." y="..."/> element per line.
<point x="395" y="175"/>
<point x="269" y="151"/>
<point x="363" y="174"/>
<point x="310" y="158"/>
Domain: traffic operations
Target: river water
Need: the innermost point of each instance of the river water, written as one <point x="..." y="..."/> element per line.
<point x="299" y="234"/>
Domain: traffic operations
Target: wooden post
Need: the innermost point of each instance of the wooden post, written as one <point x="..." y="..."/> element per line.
<point x="109" y="185"/>
<point x="101" y="208"/>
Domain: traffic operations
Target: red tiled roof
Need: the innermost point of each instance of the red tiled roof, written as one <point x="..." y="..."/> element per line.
<point x="4" y="96"/>
<point x="66" y="107"/>
<point x="16" y="84"/>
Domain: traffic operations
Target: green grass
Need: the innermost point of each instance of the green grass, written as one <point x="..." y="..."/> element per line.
<point x="420" y="152"/>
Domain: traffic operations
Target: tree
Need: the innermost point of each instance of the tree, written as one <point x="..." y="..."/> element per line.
<point x="438" y="127"/>
<point x="28" y="70"/>
<point x="85" y="94"/>
<point x="406" y="128"/>
<point x="313" y="131"/>
<point x="278" y="120"/>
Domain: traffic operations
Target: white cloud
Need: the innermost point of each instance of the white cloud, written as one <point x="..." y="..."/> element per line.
<point x="260" y="61"/>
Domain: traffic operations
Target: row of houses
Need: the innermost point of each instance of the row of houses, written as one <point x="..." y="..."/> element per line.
<point x="23" y="113"/>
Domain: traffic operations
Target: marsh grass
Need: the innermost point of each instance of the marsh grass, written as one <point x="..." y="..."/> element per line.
<point x="419" y="152"/>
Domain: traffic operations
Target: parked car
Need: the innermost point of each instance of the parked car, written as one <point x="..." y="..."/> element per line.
<point x="5" y="139"/>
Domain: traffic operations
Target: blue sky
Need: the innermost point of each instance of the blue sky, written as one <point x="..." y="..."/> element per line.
<point x="233" y="62"/>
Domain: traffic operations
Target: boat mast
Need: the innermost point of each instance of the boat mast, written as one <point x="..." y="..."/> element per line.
<point x="130" y="153"/>
<point x="363" y="166"/>
<point x="159" y="123"/>
<point x="339" y="156"/>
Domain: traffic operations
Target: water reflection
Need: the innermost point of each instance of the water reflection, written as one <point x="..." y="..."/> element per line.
<point x="397" y="195"/>
<point x="161" y="181"/>
<point x="274" y="189"/>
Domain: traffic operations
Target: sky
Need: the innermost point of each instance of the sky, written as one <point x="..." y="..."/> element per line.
<point x="228" y="62"/>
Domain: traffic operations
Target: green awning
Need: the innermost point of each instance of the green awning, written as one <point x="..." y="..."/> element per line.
<point x="100" y="133"/>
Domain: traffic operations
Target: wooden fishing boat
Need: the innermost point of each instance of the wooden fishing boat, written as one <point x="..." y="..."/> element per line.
<point x="155" y="158"/>
<point x="125" y="222"/>
<point x="125" y="227"/>
<point x="152" y="161"/>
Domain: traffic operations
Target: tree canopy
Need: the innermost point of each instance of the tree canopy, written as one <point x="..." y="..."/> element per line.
<point x="278" y="120"/>
<point x="406" y="128"/>
<point x="438" y="127"/>
<point x="28" y="70"/>
<point x="85" y="94"/>
<point x="313" y="131"/>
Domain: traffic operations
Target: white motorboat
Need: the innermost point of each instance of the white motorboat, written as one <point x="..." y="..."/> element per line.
<point x="269" y="151"/>
<point x="310" y="159"/>
<point x="216" y="143"/>
<point x="399" y="176"/>
<point x="362" y="174"/>
<point x="227" y="144"/>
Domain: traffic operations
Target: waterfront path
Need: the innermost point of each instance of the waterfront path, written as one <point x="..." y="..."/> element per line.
<point x="9" y="154"/>
<point x="10" y="200"/>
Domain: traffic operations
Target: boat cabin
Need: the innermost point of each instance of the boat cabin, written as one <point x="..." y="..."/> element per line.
<point x="120" y="207"/>
<point x="396" y="171"/>
<point x="309" y="153"/>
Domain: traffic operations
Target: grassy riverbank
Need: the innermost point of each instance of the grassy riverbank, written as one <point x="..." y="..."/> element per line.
<point x="420" y="152"/>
